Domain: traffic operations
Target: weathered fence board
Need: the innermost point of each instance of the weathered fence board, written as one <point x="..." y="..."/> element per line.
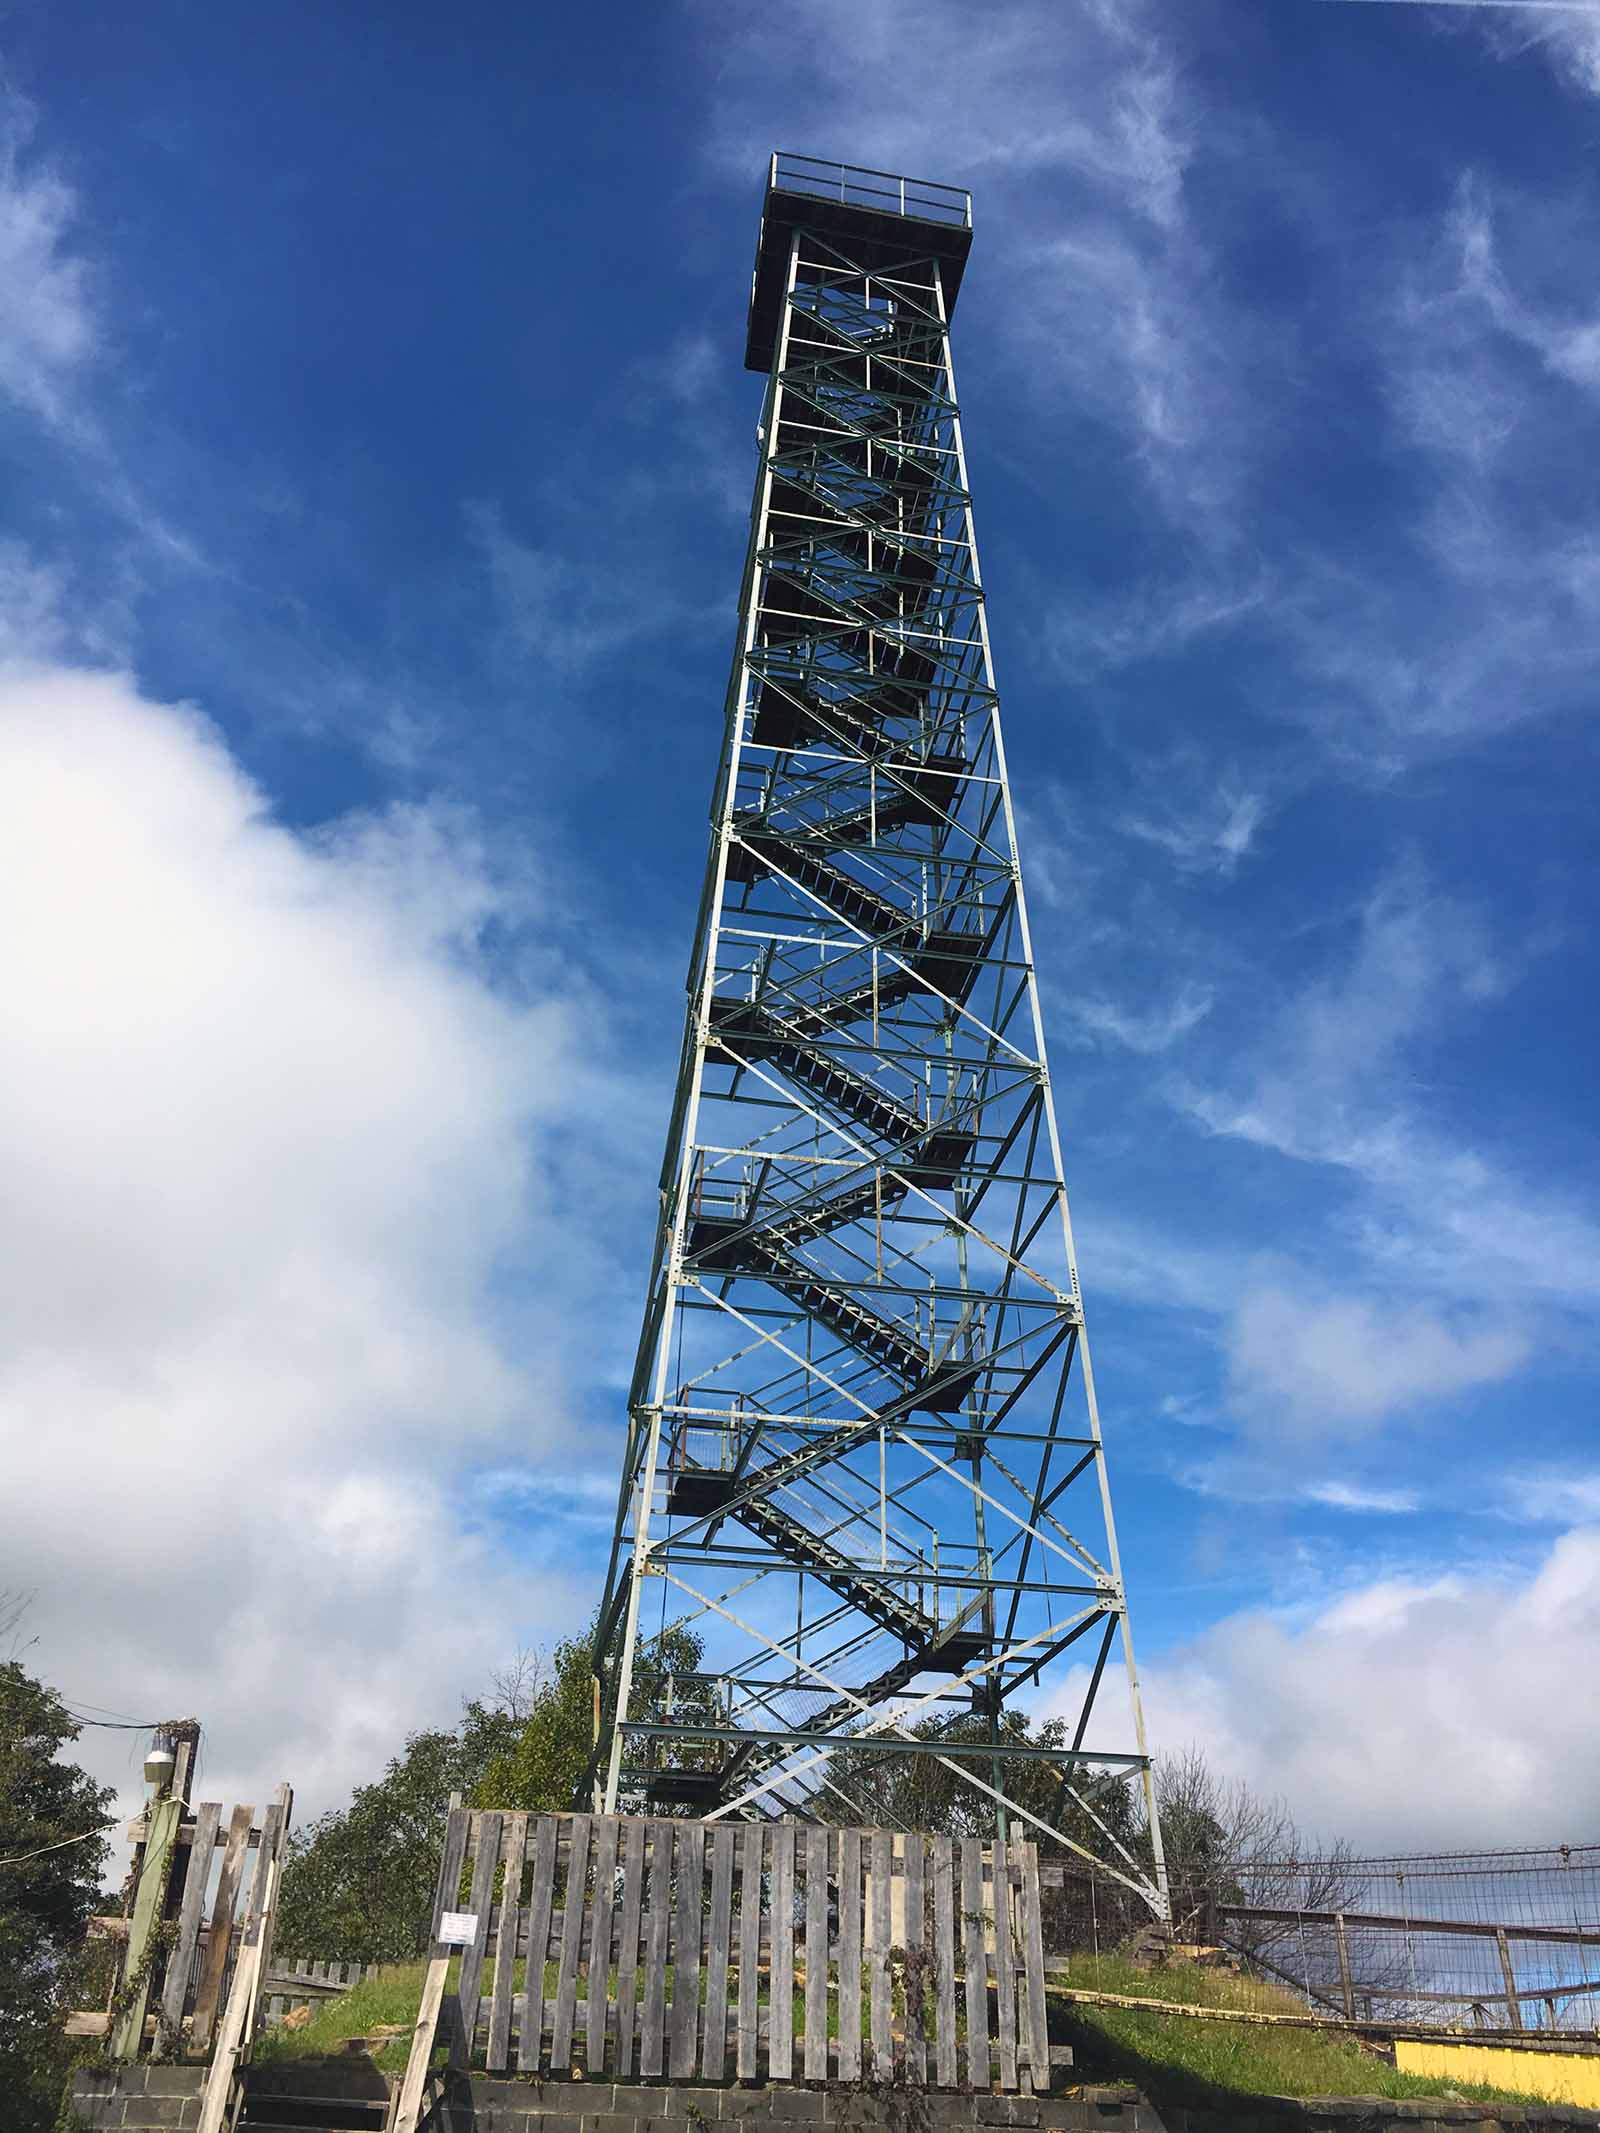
<point x="667" y="1949"/>
<point x="753" y="1843"/>
<point x="717" y="1932"/>
<point x="849" y="1954"/>
<point x="944" y="1963"/>
<point x="780" y="1991"/>
<point x="916" y="1946"/>
<point x="628" y="1944"/>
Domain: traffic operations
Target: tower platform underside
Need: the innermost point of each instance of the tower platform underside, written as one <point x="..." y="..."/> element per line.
<point x="864" y="1471"/>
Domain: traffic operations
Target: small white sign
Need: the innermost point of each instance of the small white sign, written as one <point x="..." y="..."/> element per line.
<point x="459" y="1928"/>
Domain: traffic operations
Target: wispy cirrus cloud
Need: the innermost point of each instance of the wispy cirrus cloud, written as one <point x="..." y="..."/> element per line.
<point x="1209" y="840"/>
<point x="1325" y="1080"/>
<point x="1356" y="1497"/>
<point x="1080" y="131"/>
<point x="49" y="330"/>
<point x="1145" y="1030"/>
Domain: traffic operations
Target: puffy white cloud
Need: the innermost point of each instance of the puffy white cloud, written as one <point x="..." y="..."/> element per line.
<point x="1412" y="1713"/>
<point x="1300" y="1366"/>
<point x="265" y="1130"/>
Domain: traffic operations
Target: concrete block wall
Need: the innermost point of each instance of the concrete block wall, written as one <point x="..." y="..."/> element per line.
<point x="142" y="2098"/>
<point x="166" y="2099"/>
<point x="485" y="2106"/>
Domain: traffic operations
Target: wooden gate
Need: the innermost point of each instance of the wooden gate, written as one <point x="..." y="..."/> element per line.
<point x="779" y="1951"/>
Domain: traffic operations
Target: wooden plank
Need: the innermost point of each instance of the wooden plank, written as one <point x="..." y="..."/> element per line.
<point x="974" y="1917"/>
<point x="751" y="1844"/>
<point x="514" y="1849"/>
<point x="816" y="1917"/>
<point x="944" y="1961"/>
<point x="408" y="2106"/>
<point x="469" y="1991"/>
<point x="274" y="1835"/>
<point x="216" y="2095"/>
<point x="149" y="1903"/>
<point x="530" y="2026"/>
<point x="606" y="1832"/>
<point x="214" y="1963"/>
<point x="780" y="1960"/>
<point x="652" y="2023"/>
<point x="181" y="1961"/>
<point x="1513" y="2001"/>
<point x="1005" y="1982"/>
<point x="571" y="1944"/>
<point x="879" y="1941"/>
<point x="688" y="1926"/>
<point x="452" y="1857"/>
<point x="849" y="1955"/>
<point x="714" y="2047"/>
<point x="1033" y="1959"/>
<point x="628" y="1944"/>
<point x="916" y="1971"/>
<point x="217" y="2101"/>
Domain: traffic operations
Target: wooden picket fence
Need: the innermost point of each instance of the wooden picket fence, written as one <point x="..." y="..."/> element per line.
<point x="196" y="1946"/>
<point x="296" y="1981"/>
<point x="686" y="1950"/>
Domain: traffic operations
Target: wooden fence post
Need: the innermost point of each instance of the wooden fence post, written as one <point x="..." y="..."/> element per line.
<point x="149" y="1905"/>
<point x="1342" y="1941"/>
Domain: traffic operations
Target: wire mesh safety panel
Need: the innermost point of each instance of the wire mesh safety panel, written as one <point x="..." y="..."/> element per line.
<point x="1504" y="1941"/>
<point x="864" y="1464"/>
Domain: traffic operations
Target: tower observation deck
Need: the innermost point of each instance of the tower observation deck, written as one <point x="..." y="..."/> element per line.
<point x="864" y="1465"/>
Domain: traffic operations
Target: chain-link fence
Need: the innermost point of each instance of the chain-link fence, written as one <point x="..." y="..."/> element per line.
<point x="1503" y="1940"/>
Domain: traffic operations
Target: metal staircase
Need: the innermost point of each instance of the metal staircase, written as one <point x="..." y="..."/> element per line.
<point x="863" y="1459"/>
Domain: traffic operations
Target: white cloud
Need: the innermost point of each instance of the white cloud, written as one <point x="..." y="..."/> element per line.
<point x="47" y="323"/>
<point x="1549" y="1496"/>
<point x="1351" y="1496"/>
<point x="1077" y="131"/>
<point x="1300" y="1367"/>
<point x="1569" y="36"/>
<point x="1210" y="840"/>
<point x="1155" y="1031"/>
<point x="550" y="608"/>
<point x="1327" y="1081"/>
<point x="265" y="1138"/>
<point x="1410" y="1713"/>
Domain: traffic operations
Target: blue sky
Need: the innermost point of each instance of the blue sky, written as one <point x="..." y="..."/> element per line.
<point x="374" y="462"/>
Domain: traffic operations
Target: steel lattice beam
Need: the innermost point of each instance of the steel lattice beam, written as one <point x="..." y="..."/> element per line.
<point x="864" y="1450"/>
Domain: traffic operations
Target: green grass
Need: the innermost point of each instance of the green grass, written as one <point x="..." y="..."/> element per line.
<point x="1184" y="2060"/>
<point x="1196" y="2062"/>
<point x="391" y="1996"/>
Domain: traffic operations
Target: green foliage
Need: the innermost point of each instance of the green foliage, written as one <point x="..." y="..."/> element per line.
<point x="358" y="1886"/>
<point x="46" y="1902"/>
<point x="545" y="1768"/>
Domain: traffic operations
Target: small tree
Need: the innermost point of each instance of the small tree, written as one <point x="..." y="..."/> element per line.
<point x="545" y="1767"/>
<point x="51" y="1854"/>
<point x="359" y="1883"/>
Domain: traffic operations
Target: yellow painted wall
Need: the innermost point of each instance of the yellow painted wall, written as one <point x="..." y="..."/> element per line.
<point x="1565" y="2077"/>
